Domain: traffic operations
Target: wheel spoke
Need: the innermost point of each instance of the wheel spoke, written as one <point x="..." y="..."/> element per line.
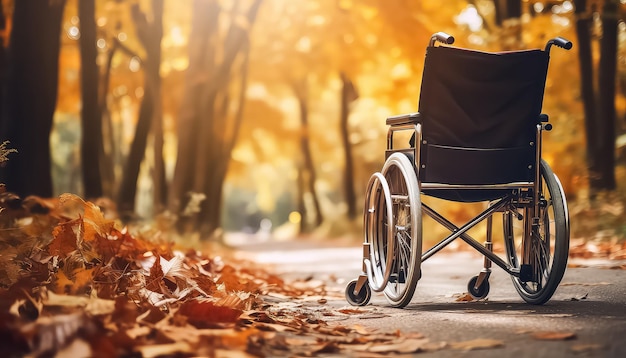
<point x="549" y="242"/>
<point x="396" y="229"/>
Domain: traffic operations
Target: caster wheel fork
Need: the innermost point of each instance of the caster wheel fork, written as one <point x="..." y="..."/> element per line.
<point x="360" y="298"/>
<point x="479" y="291"/>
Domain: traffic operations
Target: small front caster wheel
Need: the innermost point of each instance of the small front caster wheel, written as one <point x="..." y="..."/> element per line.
<point x="481" y="291"/>
<point x="360" y="299"/>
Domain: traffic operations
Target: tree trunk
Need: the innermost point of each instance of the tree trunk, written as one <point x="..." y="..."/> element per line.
<point x="2" y="64"/>
<point x="110" y="150"/>
<point x="213" y="217"/>
<point x="508" y="17"/>
<point x="309" y="175"/>
<point x="31" y="94"/>
<point x="507" y="9"/>
<point x="150" y="35"/>
<point x="154" y="64"/>
<point x="206" y="135"/>
<point x="91" y="118"/>
<point x="604" y="170"/>
<point x="599" y="106"/>
<point x="128" y="187"/>
<point x="348" y="95"/>
<point x="583" y="32"/>
<point x="204" y="23"/>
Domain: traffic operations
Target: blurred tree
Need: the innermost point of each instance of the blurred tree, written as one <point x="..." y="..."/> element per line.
<point x="307" y="175"/>
<point x="333" y="45"/>
<point x="3" y="26"/>
<point x="599" y="107"/>
<point x="508" y="15"/>
<point x="150" y="34"/>
<point x="602" y="175"/>
<point x="507" y="9"/>
<point x="348" y="95"/>
<point x="208" y="126"/>
<point x="91" y="117"/>
<point x="31" y="94"/>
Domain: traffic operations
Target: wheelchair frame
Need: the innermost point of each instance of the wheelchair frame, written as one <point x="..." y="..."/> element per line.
<point x="392" y="249"/>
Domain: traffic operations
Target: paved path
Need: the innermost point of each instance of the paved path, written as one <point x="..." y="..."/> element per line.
<point x="590" y="303"/>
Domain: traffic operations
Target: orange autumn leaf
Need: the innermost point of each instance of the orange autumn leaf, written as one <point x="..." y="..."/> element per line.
<point x="156" y="276"/>
<point x="234" y="280"/>
<point x="481" y="343"/>
<point x="64" y="240"/>
<point x="121" y="244"/>
<point x="61" y="283"/>
<point x="553" y="336"/>
<point x="204" y="313"/>
<point x="94" y="224"/>
<point x="82" y="278"/>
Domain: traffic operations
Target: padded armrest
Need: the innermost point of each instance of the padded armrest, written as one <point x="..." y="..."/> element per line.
<point x="411" y="118"/>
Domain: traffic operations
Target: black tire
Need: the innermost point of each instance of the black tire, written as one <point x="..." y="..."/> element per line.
<point x="406" y="232"/>
<point x="549" y="245"/>
<point x="479" y="292"/>
<point x="362" y="298"/>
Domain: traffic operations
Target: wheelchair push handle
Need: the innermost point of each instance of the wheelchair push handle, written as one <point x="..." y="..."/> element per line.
<point x="559" y="42"/>
<point x="441" y="37"/>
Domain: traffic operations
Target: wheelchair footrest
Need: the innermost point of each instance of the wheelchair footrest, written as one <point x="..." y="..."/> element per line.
<point x="526" y="273"/>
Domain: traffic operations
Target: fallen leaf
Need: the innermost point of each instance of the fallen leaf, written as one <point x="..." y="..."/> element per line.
<point x="553" y="336"/>
<point x="92" y="305"/>
<point x="481" y="343"/>
<point x="64" y="240"/>
<point x="78" y="348"/>
<point x="274" y="327"/>
<point x="464" y="297"/>
<point x="582" y="348"/>
<point x="158" y="350"/>
<point x="583" y="297"/>
<point x="53" y="333"/>
<point x="351" y="311"/>
<point x="404" y="347"/>
<point x="204" y="313"/>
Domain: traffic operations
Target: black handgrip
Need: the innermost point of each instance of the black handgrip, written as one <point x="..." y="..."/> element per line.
<point x="441" y="37"/>
<point x="559" y="42"/>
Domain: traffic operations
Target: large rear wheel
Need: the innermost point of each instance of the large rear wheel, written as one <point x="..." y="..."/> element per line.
<point x="405" y="236"/>
<point x="549" y="241"/>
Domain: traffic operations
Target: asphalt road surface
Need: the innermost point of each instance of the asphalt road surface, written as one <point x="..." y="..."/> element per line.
<point x="586" y="317"/>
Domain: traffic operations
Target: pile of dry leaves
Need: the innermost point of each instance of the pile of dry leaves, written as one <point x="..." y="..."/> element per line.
<point x="73" y="283"/>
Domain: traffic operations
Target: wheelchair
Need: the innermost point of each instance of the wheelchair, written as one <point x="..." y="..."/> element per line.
<point x="477" y="137"/>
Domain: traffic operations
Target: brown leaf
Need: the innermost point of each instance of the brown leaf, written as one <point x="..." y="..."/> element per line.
<point x="163" y="350"/>
<point x="351" y="311"/>
<point x="156" y="275"/>
<point x="204" y="313"/>
<point x="553" y="336"/>
<point x="64" y="241"/>
<point x="481" y="343"/>
<point x="61" y="283"/>
<point x="465" y="297"/>
<point x="95" y="225"/>
<point x="52" y="333"/>
<point x="405" y="346"/>
<point x="586" y="348"/>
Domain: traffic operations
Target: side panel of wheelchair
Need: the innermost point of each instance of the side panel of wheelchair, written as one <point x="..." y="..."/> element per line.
<point x="476" y="138"/>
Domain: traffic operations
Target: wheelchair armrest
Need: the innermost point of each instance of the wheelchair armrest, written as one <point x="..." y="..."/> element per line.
<point x="410" y="118"/>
